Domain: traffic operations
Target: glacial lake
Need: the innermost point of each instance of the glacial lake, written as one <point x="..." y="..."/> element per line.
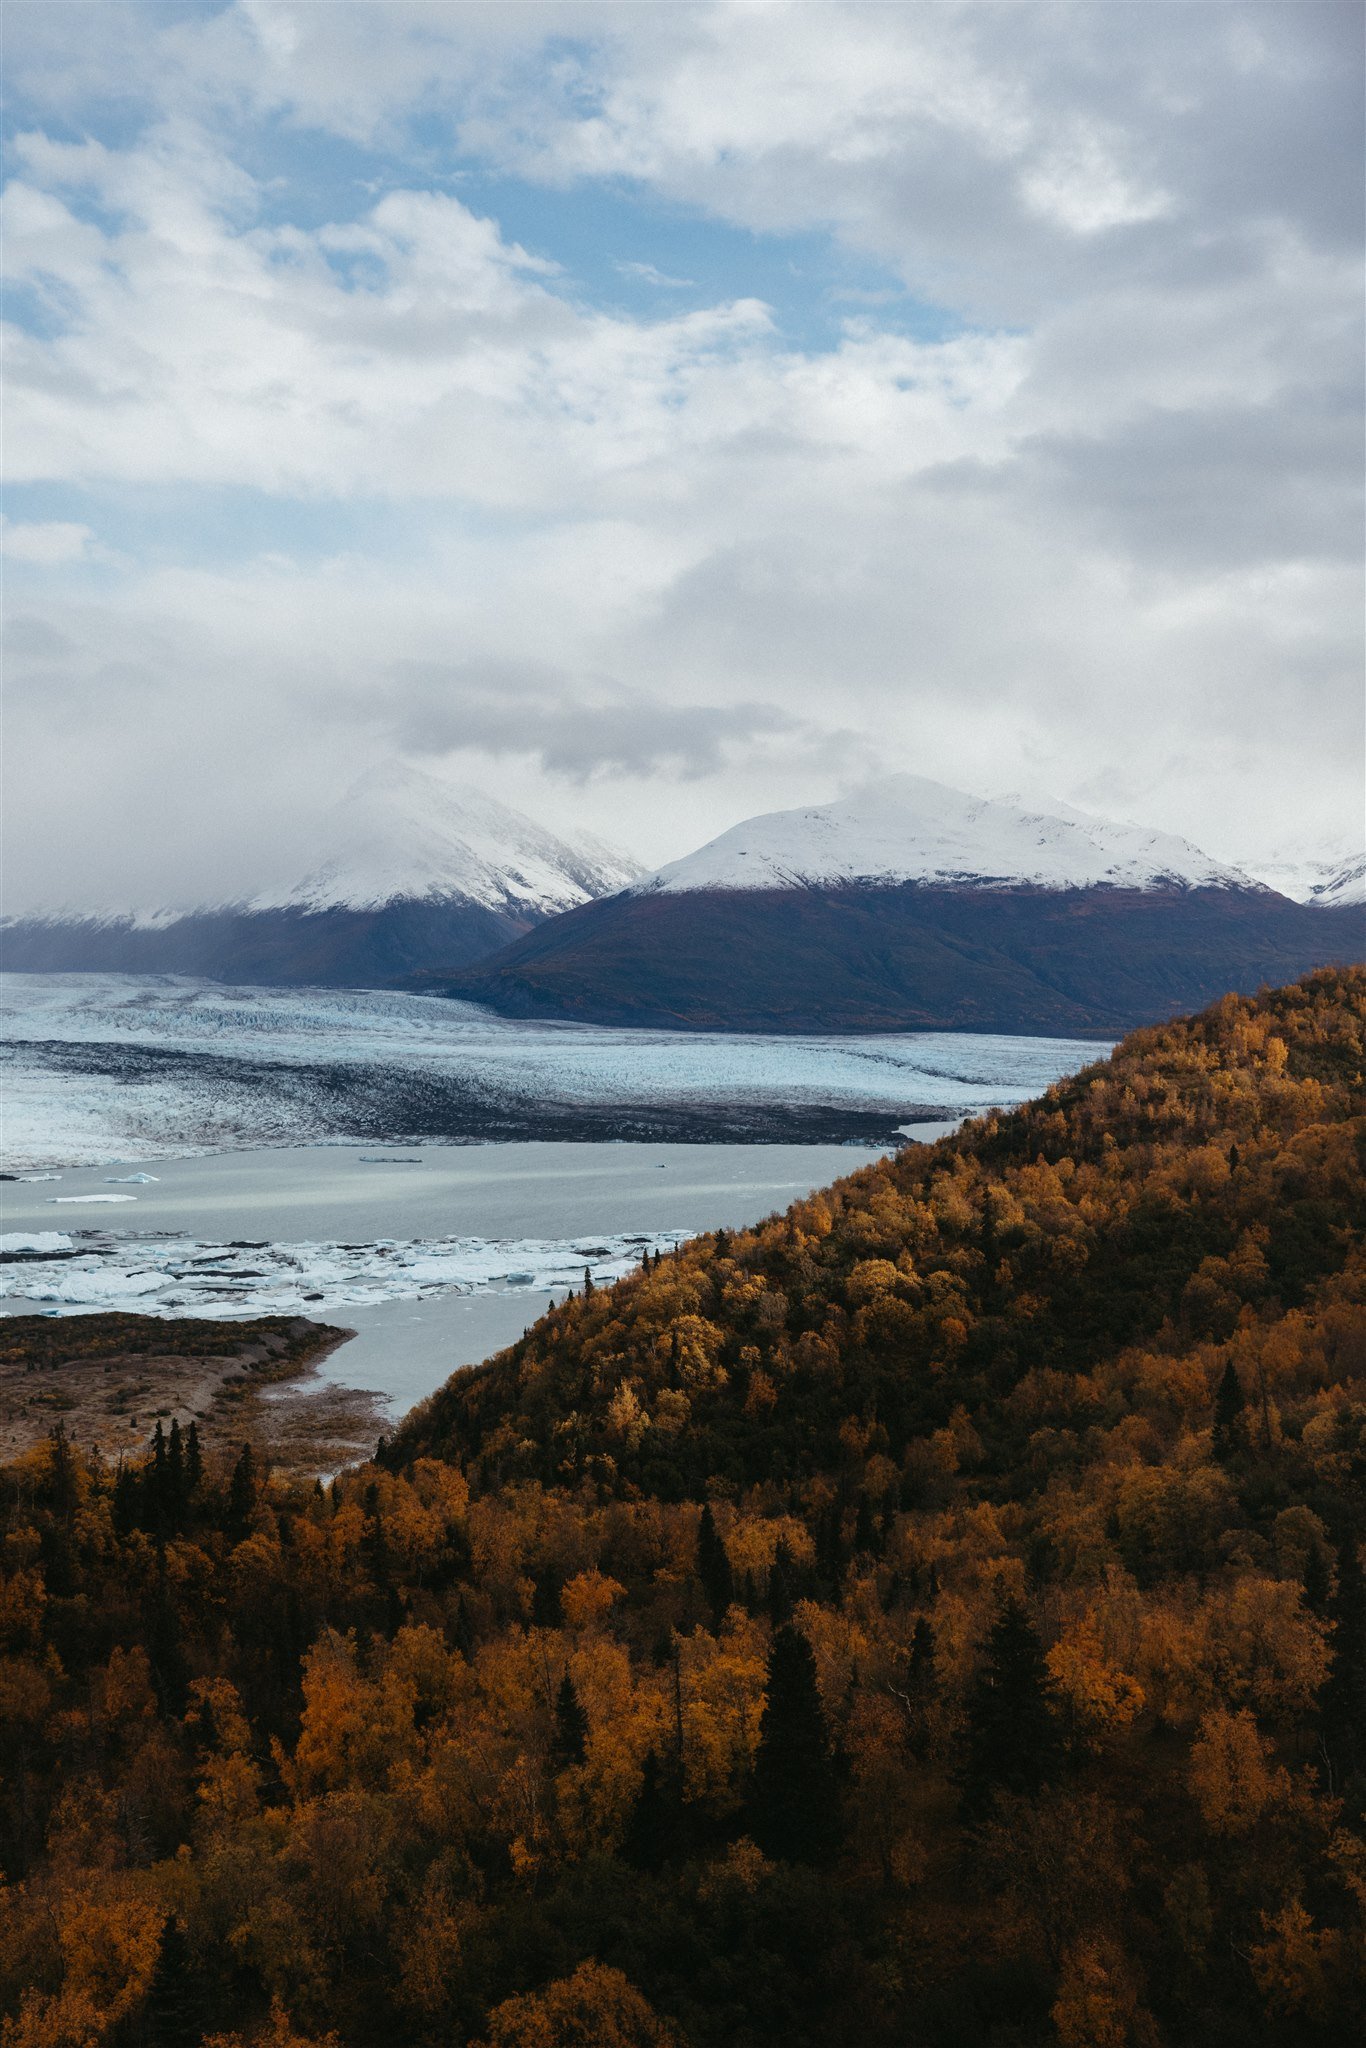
<point x="435" y="1255"/>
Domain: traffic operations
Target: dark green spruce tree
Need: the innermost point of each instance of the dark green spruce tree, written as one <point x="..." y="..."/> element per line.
<point x="1229" y="1403"/>
<point x="174" y="2015"/>
<point x="194" y="1461"/>
<point x="571" y="1726"/>
<point x="654" y="1829"/>
<point x="794" y="1804"/>
<point x="781" y="1573"/>
<point x="177" y="1491"/>
<point x="165" y="1648"/>
<point x="713" y="1567"/>
<point x="1318" y="1584"/>
<point x="921" y="1685"/>
<point x="1342" y="1703"/>
<point x="159" y="1484"/>
<point x="241" y="1496"/>
<point x="1012" y="1736"/>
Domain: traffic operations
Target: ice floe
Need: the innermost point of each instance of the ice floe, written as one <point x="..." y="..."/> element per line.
<point x="34" y="1241"/>
<point x="171" y="1275"/>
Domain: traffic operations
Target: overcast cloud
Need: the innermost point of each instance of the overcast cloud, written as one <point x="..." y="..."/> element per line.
<point x="662" y="413"/>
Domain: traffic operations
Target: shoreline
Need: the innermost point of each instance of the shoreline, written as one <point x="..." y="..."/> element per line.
<point x="109" y="1377"/>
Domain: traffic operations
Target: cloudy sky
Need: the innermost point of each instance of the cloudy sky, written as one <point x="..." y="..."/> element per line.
<point x="659" y="413"/>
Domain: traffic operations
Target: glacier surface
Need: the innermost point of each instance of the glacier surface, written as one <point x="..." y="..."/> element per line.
<point x="118" y="1069"/>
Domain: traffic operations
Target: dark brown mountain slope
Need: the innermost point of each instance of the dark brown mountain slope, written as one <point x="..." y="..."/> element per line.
<point x="906" y="958"/>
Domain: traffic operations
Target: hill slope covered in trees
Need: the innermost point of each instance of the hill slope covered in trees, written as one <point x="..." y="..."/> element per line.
<point x="932" y="1617"/>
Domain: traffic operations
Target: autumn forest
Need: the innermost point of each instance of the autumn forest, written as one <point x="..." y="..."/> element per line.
<point x="932" y="1618"/>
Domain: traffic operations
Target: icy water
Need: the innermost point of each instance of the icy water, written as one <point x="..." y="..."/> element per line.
<point x="526" y="1190"/>
<point x="435" y="1255"/>
<point x="222" y="1151"/>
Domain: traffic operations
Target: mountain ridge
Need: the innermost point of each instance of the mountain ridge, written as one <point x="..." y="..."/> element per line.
<point x="1345" y="887"/>
<point x="911" y="907"/>
<point x="906" y="828"/>
<point x="417" y="870"/>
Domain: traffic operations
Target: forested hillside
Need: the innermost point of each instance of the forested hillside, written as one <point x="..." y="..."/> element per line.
<point x="932" y="1618"/>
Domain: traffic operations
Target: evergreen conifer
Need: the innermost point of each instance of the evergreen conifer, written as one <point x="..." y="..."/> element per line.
<point x="241" y="1496"/>
<point x="1229" y="1403"/>
<point x="1318" y="1584"/>
<point x="158" y="1483"/>
<point x="794" y="1810"/>
<point x="194" y="1461"/>
<point x="173" y="2015"/>
<point x="713" y="1567"/>
<point x="126" y="1499"/>
<point x="780" y="1577"/>
<point x="1012" y="1737"/>
<point x="1342" y="1702"/>
<point x="653" y="1831"/>
<point x="865" y="1528"/>
<point x="571" y="1726"/>
<point x="175" y="1476"/>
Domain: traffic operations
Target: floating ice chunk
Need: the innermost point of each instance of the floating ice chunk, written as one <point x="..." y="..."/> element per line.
<point x="92" y="1198"/>
<point x="31" y="1177"/>
<point x="169" y="1275"/>
<point x="142" y="1180"/>
<point x="34" y="1241"/>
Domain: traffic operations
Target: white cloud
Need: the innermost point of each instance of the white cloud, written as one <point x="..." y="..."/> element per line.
<point x="655" y="573"/>
<point x="47" y="543"/>
<point x="648" y="274"/>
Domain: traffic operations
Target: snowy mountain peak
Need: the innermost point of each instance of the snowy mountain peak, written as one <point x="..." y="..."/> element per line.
<point x="1343" y="889"/>
<point x="1310" y="867"/>
<point x="907" y="829"/>
<point x="402" y="834"/>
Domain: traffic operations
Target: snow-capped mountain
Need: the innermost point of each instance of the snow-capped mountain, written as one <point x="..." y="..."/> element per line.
<point x="403" y="835"/>
<point x="1345" y="887"/>
<point x="1304" y="867"/>
<point x="907" y="829"/>
<point x="909" y="906"/>
<point x="414" y="874"/>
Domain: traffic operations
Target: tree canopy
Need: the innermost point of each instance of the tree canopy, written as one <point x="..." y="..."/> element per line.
<point x="933" y="1616"/>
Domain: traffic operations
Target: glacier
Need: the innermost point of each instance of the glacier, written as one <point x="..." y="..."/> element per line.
<point x="110" y="1069"/>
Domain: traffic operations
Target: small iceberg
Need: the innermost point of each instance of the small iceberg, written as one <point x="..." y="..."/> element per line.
<point x="142" y="1180"/>
<point x="35" y="1241"/>
<point x="92" y="1198"/>
<point x="31" y="1177"/>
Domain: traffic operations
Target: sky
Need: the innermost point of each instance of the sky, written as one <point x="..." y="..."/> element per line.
<point x="656" y="414"/>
